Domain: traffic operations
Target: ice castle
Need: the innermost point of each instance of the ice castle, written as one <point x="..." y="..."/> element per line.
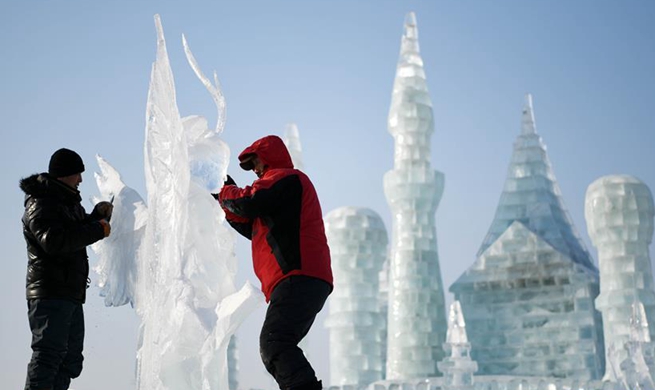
<point x="529" y="312"/>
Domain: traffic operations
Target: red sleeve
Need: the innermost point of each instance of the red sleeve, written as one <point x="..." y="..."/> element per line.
<point x="231" y="192"/>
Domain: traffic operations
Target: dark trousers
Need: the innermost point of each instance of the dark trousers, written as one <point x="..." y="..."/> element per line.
<point x="57" y="339"/>
<point x="294" y="303"/>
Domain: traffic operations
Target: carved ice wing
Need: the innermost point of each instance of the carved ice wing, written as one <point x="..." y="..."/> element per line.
<point x="117" y="266"/>
<point x="214" y="89"/>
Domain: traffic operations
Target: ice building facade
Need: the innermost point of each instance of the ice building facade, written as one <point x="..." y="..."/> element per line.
<point x="413" y="190"/>
<point x="358" y="246"/>
<point x="529" y="297"/>
<point x="619" y="212"/>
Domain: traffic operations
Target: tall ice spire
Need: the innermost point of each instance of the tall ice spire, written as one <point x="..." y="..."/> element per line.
<point x="417" y="321"/>
<point x="532" y="196"/>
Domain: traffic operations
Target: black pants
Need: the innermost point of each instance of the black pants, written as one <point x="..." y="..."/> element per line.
<point x="57" y="339"/>
<point x="294" y="303"/>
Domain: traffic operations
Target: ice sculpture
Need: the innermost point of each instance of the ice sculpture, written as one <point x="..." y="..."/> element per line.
<point x="116" y="268"/>
<point x="458" y="369"/>
<point x="619" y="212"/>
<point x="358" y="246"/>
<point x="637" y="368"/>
<point x="529" y="297"/>
<point x="183" y="288"/>
<point x="417" y="319"/>
<point x="292" y="141"/>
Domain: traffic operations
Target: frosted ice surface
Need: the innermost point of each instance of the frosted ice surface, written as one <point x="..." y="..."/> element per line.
<point x="619" y="212"/>
<point x="413" y="190"/>
<point x="358" y="247"/>
<point x="183" y="288"/>
<point x="529" y="297"/>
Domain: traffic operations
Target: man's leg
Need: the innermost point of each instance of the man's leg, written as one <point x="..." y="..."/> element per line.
<point x="50" y="322"/>
<point x="71" y="367"/>
<point x="291" y="313"/>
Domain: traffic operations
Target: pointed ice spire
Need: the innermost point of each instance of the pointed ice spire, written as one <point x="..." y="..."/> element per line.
<point x="527" y="122"/>
<point x="456" y="326"/>
<point x="292" y="141"/>
<point x="458" y="368"/>
<point x="532" y="197"/>
<point x="410" y="119"/>
<point x="409" y="46"/>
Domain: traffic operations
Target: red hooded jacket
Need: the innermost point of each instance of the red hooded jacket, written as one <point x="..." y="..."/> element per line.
<point x="281" y="215"/>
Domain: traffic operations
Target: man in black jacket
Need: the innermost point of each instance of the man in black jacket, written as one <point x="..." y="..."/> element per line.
<point x="57" y="231"/>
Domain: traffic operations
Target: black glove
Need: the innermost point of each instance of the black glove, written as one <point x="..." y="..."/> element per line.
<point x="102" y="210"/>
<point x="229" y="181"/>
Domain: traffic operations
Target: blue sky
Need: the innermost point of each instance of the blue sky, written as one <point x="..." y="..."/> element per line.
<point x="75" y="74"/>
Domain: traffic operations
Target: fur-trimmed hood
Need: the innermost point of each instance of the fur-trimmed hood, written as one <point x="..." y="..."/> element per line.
<point x="41" y="185"/>
<point x="35" y="185"/>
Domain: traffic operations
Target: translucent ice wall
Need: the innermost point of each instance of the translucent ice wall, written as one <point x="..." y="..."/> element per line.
<point x="619" y="212"/>
<point x="529" y="297"/>
<point x="417" y="319"/>
<point x="358" y="246"/>
<point x="181" y="281"/>
<point x="457" y="368"/>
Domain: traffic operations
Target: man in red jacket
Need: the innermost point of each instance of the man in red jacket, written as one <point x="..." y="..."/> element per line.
<point x="281" y="215"/>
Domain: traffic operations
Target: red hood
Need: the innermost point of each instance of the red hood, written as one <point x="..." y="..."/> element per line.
<point x="271" y="151"/>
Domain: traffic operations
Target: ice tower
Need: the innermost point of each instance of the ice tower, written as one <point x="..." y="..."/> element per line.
<point x="417" y="321"/>
<point x="358" y="246"/>
<point x="529" y="297"/>
<point x="619" y="212"/>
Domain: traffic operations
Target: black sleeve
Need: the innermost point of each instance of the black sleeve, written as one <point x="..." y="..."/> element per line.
<point x="53" y="235"/>
<point x="244" y="228"/>
<point x="265" y="201"/>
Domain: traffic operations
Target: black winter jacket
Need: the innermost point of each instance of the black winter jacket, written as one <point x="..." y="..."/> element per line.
<point x="57" y="231"/>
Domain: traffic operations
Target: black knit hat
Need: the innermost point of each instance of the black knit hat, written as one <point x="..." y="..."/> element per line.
<point x="64" y="162"/>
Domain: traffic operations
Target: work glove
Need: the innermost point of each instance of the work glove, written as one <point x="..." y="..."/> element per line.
<point x="106" y="228"/>
<point x="229" y="181"/>
<point x="103" y="210"/>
